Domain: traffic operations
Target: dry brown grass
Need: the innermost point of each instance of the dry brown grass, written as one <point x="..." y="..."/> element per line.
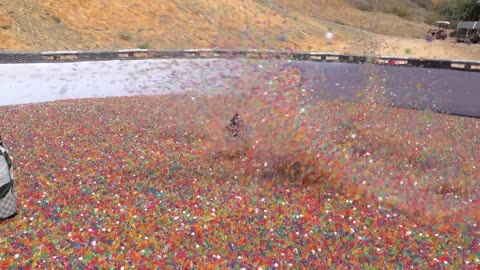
<point x="180" y="24"/>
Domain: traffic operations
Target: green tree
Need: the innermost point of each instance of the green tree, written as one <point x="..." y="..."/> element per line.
<point x="460" y="10"/>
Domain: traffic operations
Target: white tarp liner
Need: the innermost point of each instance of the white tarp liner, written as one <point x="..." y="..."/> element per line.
<point x="43" y="82"/>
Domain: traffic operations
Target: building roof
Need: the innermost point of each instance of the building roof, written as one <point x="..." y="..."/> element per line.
<point x="468" y="25"/>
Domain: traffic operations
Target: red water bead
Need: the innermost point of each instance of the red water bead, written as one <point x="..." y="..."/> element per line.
<point x="6" y="264"/>
<point x="134" y="257"/>
<point x="432" y="264"/>
<point x="388" y="240"/>
<point x="308" y="217"/>
<point x="92" y="265"/>
<point x="66" y="227"/>
<point x="78" y="237"/>
<point x="242" y="240"/>
<point x="50" y="247"/>
<point x="151" y="207"/>
<point x="445" y="228"/>
<point x="181" y="256"/>
<point x="199" y="233"/>
<point x="444" y="258"/>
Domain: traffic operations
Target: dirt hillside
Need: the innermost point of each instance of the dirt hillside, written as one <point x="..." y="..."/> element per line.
<point x="359" y="26"/>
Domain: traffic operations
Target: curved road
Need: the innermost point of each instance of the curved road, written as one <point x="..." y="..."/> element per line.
<point x="450" y="91"/>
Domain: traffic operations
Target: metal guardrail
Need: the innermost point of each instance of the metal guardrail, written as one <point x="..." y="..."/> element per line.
<point x="76" y="56"/>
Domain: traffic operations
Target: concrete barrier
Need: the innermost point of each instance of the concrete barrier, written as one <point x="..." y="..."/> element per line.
<point x="75" y="56"/>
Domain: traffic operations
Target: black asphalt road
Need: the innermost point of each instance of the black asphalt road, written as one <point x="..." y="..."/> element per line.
<point x="440" y="90"/>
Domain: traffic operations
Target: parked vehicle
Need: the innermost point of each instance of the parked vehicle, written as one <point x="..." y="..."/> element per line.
<point x="468" y="32"/>
<point x="441" y="31"/>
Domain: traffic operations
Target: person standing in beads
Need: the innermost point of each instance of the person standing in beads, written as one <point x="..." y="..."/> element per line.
<point x="234" y="125"/>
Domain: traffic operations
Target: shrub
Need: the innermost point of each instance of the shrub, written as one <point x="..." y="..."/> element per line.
<point x="424" y="3"/>
<point x="56" y="19"/>
<point x="432" y="17"/>
<point x="125" y="36"/>
<point x="363" y="6"/>
<point x="458" y="10"/>
<point x="401" y="11"/>
<point x="144" y="46"/>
